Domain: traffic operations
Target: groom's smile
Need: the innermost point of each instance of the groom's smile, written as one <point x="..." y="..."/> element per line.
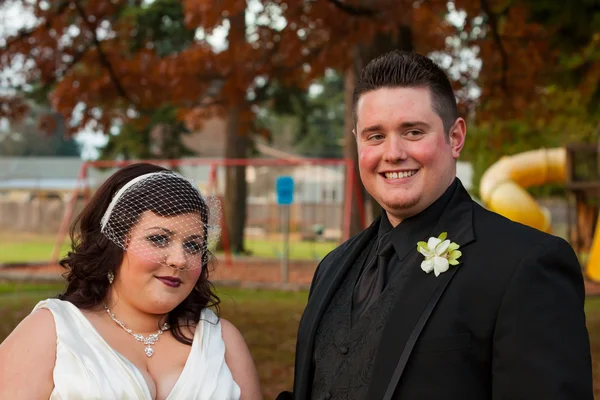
<point x="394" y="176"/>
<point x="406" y="160"/>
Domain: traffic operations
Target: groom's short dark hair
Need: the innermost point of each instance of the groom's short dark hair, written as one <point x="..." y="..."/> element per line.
<point x="398" y="69"/>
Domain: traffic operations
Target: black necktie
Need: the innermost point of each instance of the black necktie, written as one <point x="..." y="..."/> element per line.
<point x="372" y="280"/>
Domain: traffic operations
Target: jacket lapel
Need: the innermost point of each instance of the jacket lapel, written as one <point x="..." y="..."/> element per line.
<point x="332" y="273"/>
<point x="419" y="295"/>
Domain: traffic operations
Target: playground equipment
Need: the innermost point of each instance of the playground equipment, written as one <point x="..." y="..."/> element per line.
<point x="503" y="185"/>
<point x="324" y="194"/>
<point x="502" y="190"/>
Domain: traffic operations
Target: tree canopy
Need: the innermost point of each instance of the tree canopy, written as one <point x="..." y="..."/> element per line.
<point x="146" y="65"/>
<point x="122" y="60"/>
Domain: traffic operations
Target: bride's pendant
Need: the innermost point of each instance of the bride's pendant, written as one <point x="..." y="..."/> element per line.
<point x="148" y="341"/>
<point x="149" y="351"/>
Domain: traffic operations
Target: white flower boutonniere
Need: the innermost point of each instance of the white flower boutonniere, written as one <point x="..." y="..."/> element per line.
<point x="439" y="254"/>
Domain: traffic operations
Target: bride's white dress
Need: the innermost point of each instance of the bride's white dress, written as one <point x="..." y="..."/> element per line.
<point x="88" y="368"/>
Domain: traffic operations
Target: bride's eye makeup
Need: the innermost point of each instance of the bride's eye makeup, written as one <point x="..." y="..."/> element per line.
<point x="158" y="240"/>
<point x="192" y="247"/>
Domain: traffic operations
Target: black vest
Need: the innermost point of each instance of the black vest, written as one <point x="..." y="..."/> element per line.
<point x="344" y="354"/>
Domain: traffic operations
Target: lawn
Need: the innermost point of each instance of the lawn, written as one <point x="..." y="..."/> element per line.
<point x="267" y="319"/>
<point x="33" y="248"/>
<point x="298" y="250"/>
<point x="592" y="311"/>
<point x="22" y="247"/>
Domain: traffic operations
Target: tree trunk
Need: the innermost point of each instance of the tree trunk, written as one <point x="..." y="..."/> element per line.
<point x="381" y="44"/>
<point x="236" y="145"/>
<point x="350" y="151"/>
<point x="236" y="188"/>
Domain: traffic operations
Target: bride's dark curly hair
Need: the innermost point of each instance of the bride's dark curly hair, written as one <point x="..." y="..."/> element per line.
<point x="93" y="255"/>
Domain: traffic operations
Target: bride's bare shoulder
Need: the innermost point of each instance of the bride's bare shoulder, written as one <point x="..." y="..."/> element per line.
<point x="239" y="360"/>
<point x="28" y="356"/>
<point x="38" y="327"/>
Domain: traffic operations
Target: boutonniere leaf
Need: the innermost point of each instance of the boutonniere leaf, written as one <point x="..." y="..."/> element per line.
<point x="440" y="253"/>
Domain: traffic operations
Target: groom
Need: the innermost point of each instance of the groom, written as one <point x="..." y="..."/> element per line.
<point x="386" y="320"/>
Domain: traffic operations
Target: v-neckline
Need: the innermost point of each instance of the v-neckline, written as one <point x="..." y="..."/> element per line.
<point x="137" y="372"/>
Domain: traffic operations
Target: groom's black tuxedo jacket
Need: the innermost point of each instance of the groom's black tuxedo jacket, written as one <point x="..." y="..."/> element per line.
<point x="506" y="323"/>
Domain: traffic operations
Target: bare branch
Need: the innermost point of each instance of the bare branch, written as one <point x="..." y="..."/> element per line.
<point x="102" y="56"/>
<point x="76" y="58"/>
<point x="356" y="11"/>
<point x="496" y="35"/>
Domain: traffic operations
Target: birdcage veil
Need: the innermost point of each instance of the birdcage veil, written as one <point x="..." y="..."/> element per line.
<point x="162" y="215"/>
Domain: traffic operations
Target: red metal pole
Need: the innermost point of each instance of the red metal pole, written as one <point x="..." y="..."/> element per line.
<point x="220" y="161"/>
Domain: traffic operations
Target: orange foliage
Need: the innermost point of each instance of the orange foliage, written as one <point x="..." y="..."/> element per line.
<point x="114" y="81"/>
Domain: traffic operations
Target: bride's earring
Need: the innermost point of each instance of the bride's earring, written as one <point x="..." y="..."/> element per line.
<point x="110" y="276"/>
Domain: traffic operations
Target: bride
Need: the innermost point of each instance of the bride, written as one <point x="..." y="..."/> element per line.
<point x="135" y="320"/>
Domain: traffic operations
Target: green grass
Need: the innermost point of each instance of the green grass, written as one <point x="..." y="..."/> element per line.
<point x="28" y="249"/>
<point x="21" y="288"/>
<point x="592" y="308"/>
<point x="592" y="311"/>
<point x="267" y="319"/>
<point x="298" y="250"/>
<point x="39" y="248"/>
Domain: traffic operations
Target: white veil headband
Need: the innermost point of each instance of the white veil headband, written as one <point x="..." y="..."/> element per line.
<point x="162" y="217"/>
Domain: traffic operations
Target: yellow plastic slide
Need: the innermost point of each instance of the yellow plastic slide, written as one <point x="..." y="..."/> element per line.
<point x="593" y="261"/>
<point x="502" y="189"/>
<point x="502" y="186"/>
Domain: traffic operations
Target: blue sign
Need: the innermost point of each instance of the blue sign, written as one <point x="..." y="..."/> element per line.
<point x="285" y="190"/>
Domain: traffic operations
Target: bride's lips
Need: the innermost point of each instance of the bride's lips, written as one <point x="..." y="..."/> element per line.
<point x="170" y="281"/>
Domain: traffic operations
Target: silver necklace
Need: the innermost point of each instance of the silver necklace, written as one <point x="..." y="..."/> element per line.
<point x="147" y="340"/>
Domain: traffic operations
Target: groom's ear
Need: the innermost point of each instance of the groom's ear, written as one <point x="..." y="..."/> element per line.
<point x="457" y="136"/>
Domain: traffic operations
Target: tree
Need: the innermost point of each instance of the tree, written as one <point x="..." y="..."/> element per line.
<point x="308" y="124"/>
<point x="564" y="105"/>
<point x="160" y="138"/>
<point x="137" y="66"/>
<point x="119" y="62"/>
